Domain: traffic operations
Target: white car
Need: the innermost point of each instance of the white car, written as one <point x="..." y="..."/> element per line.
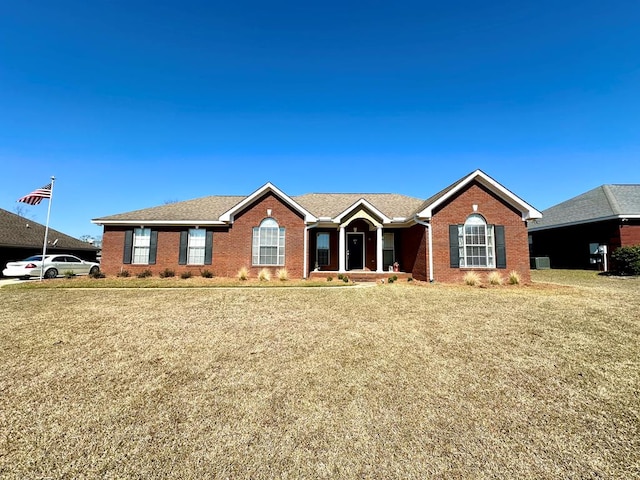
<point x="54" y="266"/>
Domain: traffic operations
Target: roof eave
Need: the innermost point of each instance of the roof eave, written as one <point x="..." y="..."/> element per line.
<point x="582" y="222"/>
<point x="99" y="221"/>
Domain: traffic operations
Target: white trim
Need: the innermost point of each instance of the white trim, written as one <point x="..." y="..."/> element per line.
<point x="342" y="250"/>
<point x="527" y="211"/>
<point x="228" y="216"/>
<point x="364" y="252"/>
<point x="363" y="203"/>
<point x="379" y="250"/>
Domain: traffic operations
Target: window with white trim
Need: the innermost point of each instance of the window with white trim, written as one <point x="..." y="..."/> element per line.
<point x="141" y="245"/>
<point x="322" y="249"/>
<point x="388" y="250"/>
<point x="476" y="243"/>
<point x="268" y="243"/>
<point x="196" y="246"/>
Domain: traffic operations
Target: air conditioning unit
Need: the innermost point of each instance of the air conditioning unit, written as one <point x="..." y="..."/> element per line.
<point x="540" y="263"/>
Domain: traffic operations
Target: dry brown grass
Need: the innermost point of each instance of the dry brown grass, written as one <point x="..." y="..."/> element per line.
<point x="409" y="381"/>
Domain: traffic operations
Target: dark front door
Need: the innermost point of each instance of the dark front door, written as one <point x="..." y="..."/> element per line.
<point x="355" y="251"/>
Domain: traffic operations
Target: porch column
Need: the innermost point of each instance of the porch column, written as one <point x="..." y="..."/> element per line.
<point x="341" y="250"/>
<point x="379" y="249"/>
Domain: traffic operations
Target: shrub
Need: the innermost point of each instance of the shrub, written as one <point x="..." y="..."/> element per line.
<point x="471" y="279"/>
<point x="124" y="273"/>
<point x="627" y="260"/>
<point x="329" y="278"/>
<point x="243" y="273"/>
<point x="494" y="278"/>
<point x="144" y="274"/>
<point x="514" y="278"/>
<point x="264" y="275"/>
<point x="410" y="279"/>
<point x="97" y="274"/>
<point x="345" y="279"/>
<point x="69" y="274"/>
<point x="185" y="275"/>
<point x="340" y="276"/>
<point x="282" y="274"/>
<point x="206" y="273"/>
<point x="390" y="279"/>
<point x="167" y="273"/>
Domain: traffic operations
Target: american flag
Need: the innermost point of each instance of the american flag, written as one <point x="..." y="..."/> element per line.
<point x="35" y="197"/>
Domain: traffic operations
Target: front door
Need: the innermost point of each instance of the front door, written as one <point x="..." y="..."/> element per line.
<point x="355" y="251"/>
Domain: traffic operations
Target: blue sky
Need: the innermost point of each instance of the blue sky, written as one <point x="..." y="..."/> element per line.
<point x="134" y="104"/>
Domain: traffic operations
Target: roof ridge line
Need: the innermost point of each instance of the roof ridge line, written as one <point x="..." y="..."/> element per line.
<point x="611" y="198"/>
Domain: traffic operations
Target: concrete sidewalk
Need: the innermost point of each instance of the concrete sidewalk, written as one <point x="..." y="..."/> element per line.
<point x="8" y="281"/>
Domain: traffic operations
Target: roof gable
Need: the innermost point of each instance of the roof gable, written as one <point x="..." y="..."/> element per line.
<point x="526" y="210"/>
<point x="267" y="187"/>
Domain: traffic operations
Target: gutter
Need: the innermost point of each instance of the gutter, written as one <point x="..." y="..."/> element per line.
<point x="428" y="227"/>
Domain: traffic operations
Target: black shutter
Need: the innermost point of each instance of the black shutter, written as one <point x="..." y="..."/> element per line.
<point x="501" y="247"/>
<point x="153" y="247"/>
<point x="208" y="249"/>
<point x="184" y="241"/>
<point x="128" y="246"/>
<point x="454" y="253"/>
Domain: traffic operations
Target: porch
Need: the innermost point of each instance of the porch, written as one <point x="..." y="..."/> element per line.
<point x="359" y="275"/>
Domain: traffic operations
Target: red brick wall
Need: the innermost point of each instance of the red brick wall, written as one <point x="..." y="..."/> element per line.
<point x="495" y="211"/>
<point x="630" y="233"/>
<point x="231" y="246"/>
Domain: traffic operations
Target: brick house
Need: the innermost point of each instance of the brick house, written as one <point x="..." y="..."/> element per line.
<point x="474" y="224"/>
<point x="576" y="233"/>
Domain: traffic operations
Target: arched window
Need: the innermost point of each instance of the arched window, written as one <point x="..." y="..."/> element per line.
<point x="268" y="243"/>
<point x="476" y="243"/>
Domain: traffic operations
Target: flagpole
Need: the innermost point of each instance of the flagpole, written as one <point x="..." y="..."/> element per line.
<point x="46" y="229"/>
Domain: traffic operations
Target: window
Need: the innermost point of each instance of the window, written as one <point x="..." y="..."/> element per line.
<point x="141" y="245"/>
<point x="475" y="243"/>
<point x="268" y="243"/>
<point x="196" y="248"/>
<point x="322" y="249"/>
<point x="388" y="250"/>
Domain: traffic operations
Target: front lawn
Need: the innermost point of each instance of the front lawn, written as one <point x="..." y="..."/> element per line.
<point x="391" y="381"/>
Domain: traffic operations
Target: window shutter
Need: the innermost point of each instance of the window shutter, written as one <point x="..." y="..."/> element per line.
<point x="128" y="246"/>
<point x="208" y="249"/>
<point x="454" y="253"/>
<point x="153" y="247"/>
<point x="184" y="241"/>
<point x="501" y="247"/>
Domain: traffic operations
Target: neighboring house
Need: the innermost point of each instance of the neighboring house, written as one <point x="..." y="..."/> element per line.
<point x="570" y="233"/>
<point x="21" y="238"/>
<point x="474" y="224"/>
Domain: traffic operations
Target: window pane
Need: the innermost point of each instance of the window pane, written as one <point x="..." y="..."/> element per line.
<point x="197" y="240"/>
<point x="141" y="244"/>
<point x="322" y="250"/>
<point x="268" y="243"/>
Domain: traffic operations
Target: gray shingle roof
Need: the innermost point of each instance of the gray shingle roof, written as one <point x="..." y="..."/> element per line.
<point x="601" y="203"/>
<point x="202" y="209"/>
<point x="333" y="204"/>
<point x="17" y="231"/>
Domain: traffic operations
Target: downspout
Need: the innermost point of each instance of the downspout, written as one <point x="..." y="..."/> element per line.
<point x="428" y="227"/>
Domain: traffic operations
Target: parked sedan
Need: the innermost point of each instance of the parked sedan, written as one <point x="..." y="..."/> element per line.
<point x="54" y="266"/>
